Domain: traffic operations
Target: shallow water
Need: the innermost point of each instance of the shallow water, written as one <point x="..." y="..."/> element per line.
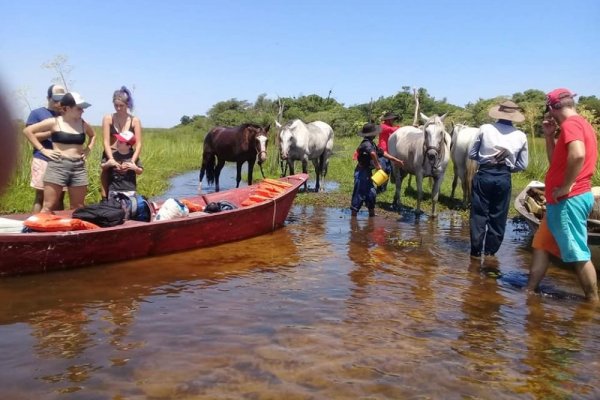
<point x="328" y="307"/>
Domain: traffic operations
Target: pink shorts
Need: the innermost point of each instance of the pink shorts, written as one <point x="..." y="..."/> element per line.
<point x="38" y="170"/>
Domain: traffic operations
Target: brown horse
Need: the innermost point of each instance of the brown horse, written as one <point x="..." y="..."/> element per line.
<point x="240" y="144"/>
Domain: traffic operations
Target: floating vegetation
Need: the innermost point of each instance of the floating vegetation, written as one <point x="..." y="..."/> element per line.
<point x="409" y="243"/>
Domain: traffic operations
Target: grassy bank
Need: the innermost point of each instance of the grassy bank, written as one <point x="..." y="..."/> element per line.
<point x="168" y="152"/>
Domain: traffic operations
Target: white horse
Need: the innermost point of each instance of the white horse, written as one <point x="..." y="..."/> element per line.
<point x="303" y="142"/>
<point x="425" y="151"/>
<point x="464" y="168"/>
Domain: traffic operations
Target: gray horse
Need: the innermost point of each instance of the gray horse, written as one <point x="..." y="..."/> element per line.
<point x="304" y="142"/>
<point x="464" y="169"/>
<point x="425" y="152"/>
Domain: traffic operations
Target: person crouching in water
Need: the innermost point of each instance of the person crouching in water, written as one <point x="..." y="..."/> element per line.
<point x="121" y="170"/>
<point x="368" y="158"/>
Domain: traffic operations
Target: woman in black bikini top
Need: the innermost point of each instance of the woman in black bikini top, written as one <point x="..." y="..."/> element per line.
<point x="66" y="167"/>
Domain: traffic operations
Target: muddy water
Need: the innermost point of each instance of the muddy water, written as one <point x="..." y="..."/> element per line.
<point x="328" y="307"/>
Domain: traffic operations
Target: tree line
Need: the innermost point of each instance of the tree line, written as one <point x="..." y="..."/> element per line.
<point x="346" y="121"/>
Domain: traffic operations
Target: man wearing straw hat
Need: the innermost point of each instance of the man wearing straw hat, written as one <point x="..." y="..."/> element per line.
<point x="500" y="149"/>
<point x="368" y="155"/>
<point x="573" y="156"/>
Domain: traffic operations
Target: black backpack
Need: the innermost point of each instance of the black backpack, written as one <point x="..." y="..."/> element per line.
<point x="136" y="207"/>
<point x="104" y="214"/>
<point x="222" y="205"/>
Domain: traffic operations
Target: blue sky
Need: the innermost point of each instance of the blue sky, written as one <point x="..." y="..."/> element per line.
<point x="184" y="56"/>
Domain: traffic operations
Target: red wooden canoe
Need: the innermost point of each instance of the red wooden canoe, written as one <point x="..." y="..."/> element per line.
<point x="22" y="253"/>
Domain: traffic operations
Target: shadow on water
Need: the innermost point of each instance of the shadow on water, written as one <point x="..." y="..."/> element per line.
<point x="327" y="307"/>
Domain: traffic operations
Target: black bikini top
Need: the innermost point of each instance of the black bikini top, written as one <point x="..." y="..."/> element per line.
<point x="68" y="137"/>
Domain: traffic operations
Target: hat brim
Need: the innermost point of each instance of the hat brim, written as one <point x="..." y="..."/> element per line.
<point x="370" y="134"/>
<point x="85" y="104"/>
<point x="57" y="97"/>
<point x="121" y="139"/>
<point x="515" y="116"/>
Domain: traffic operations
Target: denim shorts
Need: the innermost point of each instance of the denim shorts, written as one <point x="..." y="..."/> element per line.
<point x="66" y="172"/>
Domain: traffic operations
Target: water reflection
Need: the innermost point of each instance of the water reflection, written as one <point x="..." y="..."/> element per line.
<point x="328" y="307"/>
<point x="555" y="352"/>
<point x="72" y="313"/>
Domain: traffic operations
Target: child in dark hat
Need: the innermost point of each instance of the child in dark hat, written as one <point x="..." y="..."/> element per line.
<point x="368" y="155"/>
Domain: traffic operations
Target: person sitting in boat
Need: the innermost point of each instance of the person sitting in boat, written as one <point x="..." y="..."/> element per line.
<point x="120" y="167"/>
<point x="68" y="154"/>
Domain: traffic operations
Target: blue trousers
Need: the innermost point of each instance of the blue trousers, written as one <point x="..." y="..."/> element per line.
<point x="364" y="190"/>
<point x="489" y="209"/>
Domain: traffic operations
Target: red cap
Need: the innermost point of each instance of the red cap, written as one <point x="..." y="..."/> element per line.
<point x="126" y="137"/>
<point x="555" y="96"/>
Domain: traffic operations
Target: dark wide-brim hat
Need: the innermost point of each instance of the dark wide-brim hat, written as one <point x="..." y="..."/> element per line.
<point x="389" y="115"/>
<point x="507" y="110"/>
<point x="369" y="130"/>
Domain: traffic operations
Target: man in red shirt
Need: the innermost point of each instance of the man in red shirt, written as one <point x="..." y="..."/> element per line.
<point x="563" y="231"/>
<point x="387" y="128"/>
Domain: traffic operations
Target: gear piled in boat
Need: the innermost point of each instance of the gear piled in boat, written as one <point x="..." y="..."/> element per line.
<point x="535" y="202"/>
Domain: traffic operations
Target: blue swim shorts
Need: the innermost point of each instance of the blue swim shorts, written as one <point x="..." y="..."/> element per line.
<point x="567" y="221"/>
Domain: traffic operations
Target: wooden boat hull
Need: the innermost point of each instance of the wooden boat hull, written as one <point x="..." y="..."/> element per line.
<point x="24" y="253"/>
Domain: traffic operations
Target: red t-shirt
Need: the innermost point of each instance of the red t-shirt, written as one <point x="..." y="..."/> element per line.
<point x="386" y="132"/>
<point x="573" y="128"/>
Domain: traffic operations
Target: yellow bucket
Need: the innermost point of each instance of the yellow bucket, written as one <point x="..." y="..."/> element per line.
<point x="380" y="177"/>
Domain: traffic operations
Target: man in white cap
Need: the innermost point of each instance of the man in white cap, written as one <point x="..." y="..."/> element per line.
<point x="39" y="162"/>
<point x="500" y="149"/>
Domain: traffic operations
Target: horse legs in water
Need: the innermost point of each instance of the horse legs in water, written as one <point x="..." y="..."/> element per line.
<point x="218" y="169"/>
<point x="305" y="170"/>
<point x="454" y="182"/>
<point x="238" y="174"/>
<point x="418" y="210"/>
<point x="398" y="178"/>
<point x="316" y="164"/>
<point x="250" y="170"/>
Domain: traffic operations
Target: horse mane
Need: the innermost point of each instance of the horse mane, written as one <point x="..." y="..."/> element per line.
<point x="288" y="125"/>
<point x="249" y="125"/>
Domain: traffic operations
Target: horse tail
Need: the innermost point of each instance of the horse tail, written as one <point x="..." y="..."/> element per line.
<point x="453" y="135"/>
<point x="322" y="166"/>
<point x="208" y="165"/>
<point x="208" y="160"/>
<point x="469" y="175"/>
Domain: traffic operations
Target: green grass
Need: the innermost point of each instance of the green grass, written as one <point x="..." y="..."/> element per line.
<point x="168" y="152"/>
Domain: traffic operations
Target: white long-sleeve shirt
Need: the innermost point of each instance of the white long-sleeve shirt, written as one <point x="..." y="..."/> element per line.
<point x="505" y="135"/>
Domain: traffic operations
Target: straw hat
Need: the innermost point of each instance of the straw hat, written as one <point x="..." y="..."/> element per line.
<point x="507" y="110"/>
